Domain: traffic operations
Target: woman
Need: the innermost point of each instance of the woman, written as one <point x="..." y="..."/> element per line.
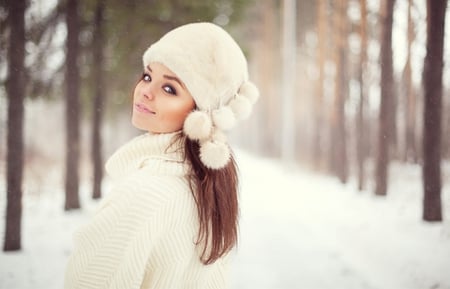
<point x="172" y="215"/>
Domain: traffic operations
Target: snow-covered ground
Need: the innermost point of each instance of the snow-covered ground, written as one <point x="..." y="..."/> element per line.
<point x="303" y="230"/>
<point x="298" y="230"/>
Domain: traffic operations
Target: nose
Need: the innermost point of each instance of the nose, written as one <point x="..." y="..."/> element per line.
<point x="148" y="95"/>
<point x="148" y="92"/>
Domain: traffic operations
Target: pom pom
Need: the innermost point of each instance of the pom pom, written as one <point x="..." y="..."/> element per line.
<point x="214" y="155"/>
<point x="250" y="91"/>
<point x="197" y="125"/>
<point x="219" y="136"/>
<point x="223" y="118"/>
<point x="241" y="107"/>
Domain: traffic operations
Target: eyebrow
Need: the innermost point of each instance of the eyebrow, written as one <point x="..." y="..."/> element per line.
<point x="170" y="77"/>
<point x="175" y="79"/>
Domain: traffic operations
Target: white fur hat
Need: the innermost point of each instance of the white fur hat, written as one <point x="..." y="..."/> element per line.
<point x="214" y="69"/>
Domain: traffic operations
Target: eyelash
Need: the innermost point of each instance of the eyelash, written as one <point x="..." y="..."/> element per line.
<point x="173" y="91"/>
<point x="147" y="78"/>
<point x="144" y="75"/>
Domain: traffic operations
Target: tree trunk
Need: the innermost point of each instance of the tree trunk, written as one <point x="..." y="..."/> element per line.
<point x="318" y="101"/>
<point x="393" y="138"/>
<point x="15" y="87"/>
<point x="72" y="107"/>
<point x="446" y="130"/>
<point x="410" y="152"/>
<point x="387" y="95"/>
<point x="338" y="132"/>
<point x="361" y="135"/>
<point x="98" y="106"/>
<point x="289" y="62"/>
<point x="268" y="60"/>
<point x="432" y="83"/>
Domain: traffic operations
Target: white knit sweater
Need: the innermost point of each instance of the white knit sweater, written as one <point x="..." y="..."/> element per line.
<point x="143" y="234"/>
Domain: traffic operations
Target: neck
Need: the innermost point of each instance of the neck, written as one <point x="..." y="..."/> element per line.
<point x="158" y="150"/>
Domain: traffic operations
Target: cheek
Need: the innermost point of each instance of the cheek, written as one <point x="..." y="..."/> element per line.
<point x="136" y="90"/>
<point x="176" y="112"/>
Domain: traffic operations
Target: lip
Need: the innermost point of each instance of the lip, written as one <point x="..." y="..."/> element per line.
<point x="142" y="109"/>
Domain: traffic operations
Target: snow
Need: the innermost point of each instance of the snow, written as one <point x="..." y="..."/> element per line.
<point x="303" y="230"/>
<point x="298" y="229"/>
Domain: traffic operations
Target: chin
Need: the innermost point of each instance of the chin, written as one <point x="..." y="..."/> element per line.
<point x="138" y="124"/>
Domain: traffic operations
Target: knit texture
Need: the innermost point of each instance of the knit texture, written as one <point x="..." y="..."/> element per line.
<point x="143" y="234"/>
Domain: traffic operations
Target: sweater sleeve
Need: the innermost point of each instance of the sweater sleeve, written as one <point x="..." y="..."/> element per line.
<point x="163" y="241"/>
<point x="133" y="225"/>
<point x="174" y="262"/>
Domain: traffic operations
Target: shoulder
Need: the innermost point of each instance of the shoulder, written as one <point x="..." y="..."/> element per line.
<point x="170" y="186"/>
<point x="152" y="194"/>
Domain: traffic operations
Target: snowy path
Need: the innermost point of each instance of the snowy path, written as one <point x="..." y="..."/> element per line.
<point x="280" y="254"/>
<point x="298" y="231"/>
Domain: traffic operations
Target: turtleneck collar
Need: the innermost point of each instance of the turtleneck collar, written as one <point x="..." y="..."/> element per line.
<point x="160" y="153"/>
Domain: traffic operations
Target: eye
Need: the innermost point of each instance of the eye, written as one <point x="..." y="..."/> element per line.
<point x="146" y="77"/>
<point x="169" y="89"/>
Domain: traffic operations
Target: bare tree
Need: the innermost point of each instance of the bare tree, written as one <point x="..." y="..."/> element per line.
<point x="410" y="152"/>
<point x="289" y="62"/>
<point x="337" y="143"/>
<point x="432" y="83"/>
<point x="266" y="59"/>
<point x="319" y="95"/>
<point x="387" y="95"/>
<point x="15" y="88"/>
<point x="99" y="90"/>
<point x="360" y="119"/>
<point x="72" y="106"/>
<point x="446" y="129"/>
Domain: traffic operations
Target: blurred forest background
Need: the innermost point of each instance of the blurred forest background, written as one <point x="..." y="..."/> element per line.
<point x="347" y="87"/>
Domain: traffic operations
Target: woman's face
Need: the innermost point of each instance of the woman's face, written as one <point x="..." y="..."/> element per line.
<point x="161" y="101"/>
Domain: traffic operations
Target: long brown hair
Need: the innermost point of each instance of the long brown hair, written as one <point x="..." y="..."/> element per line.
<point x="216" y="195"/>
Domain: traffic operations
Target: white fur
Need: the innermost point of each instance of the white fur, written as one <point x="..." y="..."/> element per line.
<point x="223" y="118"/>
<point x="215" y="155"/>
<point x="241" y="107"/>
<point x="198" y="125"/>
<point x="208" y="66"/>
<point x="219" y="136"/>
<point x="250" y="91"/>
